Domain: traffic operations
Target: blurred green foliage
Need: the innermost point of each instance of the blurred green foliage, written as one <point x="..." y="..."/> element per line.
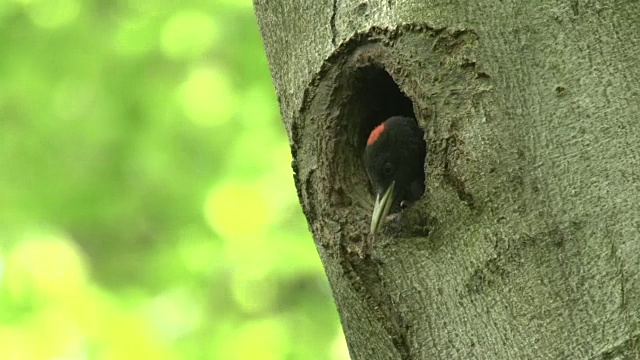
<point x="147" y="207"/>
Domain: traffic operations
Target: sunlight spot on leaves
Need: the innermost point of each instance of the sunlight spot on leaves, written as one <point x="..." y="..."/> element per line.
<point x="45" y="264"/>
<point x="188" y="34"/>
<point x="207" y="97"/>
<point x="238" y="210"/>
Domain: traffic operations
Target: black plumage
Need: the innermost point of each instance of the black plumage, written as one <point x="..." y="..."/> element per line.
<point x="394" y="160"/>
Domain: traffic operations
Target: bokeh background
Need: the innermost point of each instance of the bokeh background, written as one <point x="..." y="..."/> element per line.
<point x="147" y="207"/>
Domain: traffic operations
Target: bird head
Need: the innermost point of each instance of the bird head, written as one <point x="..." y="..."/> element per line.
<point x="394" y="160"/>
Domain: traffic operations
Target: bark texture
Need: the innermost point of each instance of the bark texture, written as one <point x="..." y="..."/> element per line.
<point x="526" y="244"/>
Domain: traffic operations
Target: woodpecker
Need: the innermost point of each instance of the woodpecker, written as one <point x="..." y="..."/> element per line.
<point x="394" y="160"/>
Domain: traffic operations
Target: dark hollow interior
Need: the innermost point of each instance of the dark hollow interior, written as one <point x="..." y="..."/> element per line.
<point x="379" y="98"/>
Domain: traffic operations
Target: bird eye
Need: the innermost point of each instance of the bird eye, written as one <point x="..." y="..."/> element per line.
<point x="388" y="169"/>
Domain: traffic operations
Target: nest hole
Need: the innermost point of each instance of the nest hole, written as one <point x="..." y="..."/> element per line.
<point x="377" y="97"/>
<point x="372" y="97"/>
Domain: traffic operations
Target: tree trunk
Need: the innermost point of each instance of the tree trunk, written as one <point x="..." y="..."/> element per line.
<point x="526" y="244"/>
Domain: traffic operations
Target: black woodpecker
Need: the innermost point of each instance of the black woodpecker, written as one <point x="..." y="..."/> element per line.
<point x="394" y="159"/>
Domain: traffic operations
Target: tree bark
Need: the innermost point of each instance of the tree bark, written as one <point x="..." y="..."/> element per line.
<point x="526" y="244"/>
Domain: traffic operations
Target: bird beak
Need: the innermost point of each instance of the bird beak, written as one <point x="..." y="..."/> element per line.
<point x="381" y="208"/>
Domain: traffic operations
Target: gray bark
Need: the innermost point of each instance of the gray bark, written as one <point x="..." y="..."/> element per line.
<point x="526" y="244"/>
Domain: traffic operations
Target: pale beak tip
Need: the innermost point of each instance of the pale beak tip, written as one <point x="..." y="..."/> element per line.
<point x="381" y="208"/>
